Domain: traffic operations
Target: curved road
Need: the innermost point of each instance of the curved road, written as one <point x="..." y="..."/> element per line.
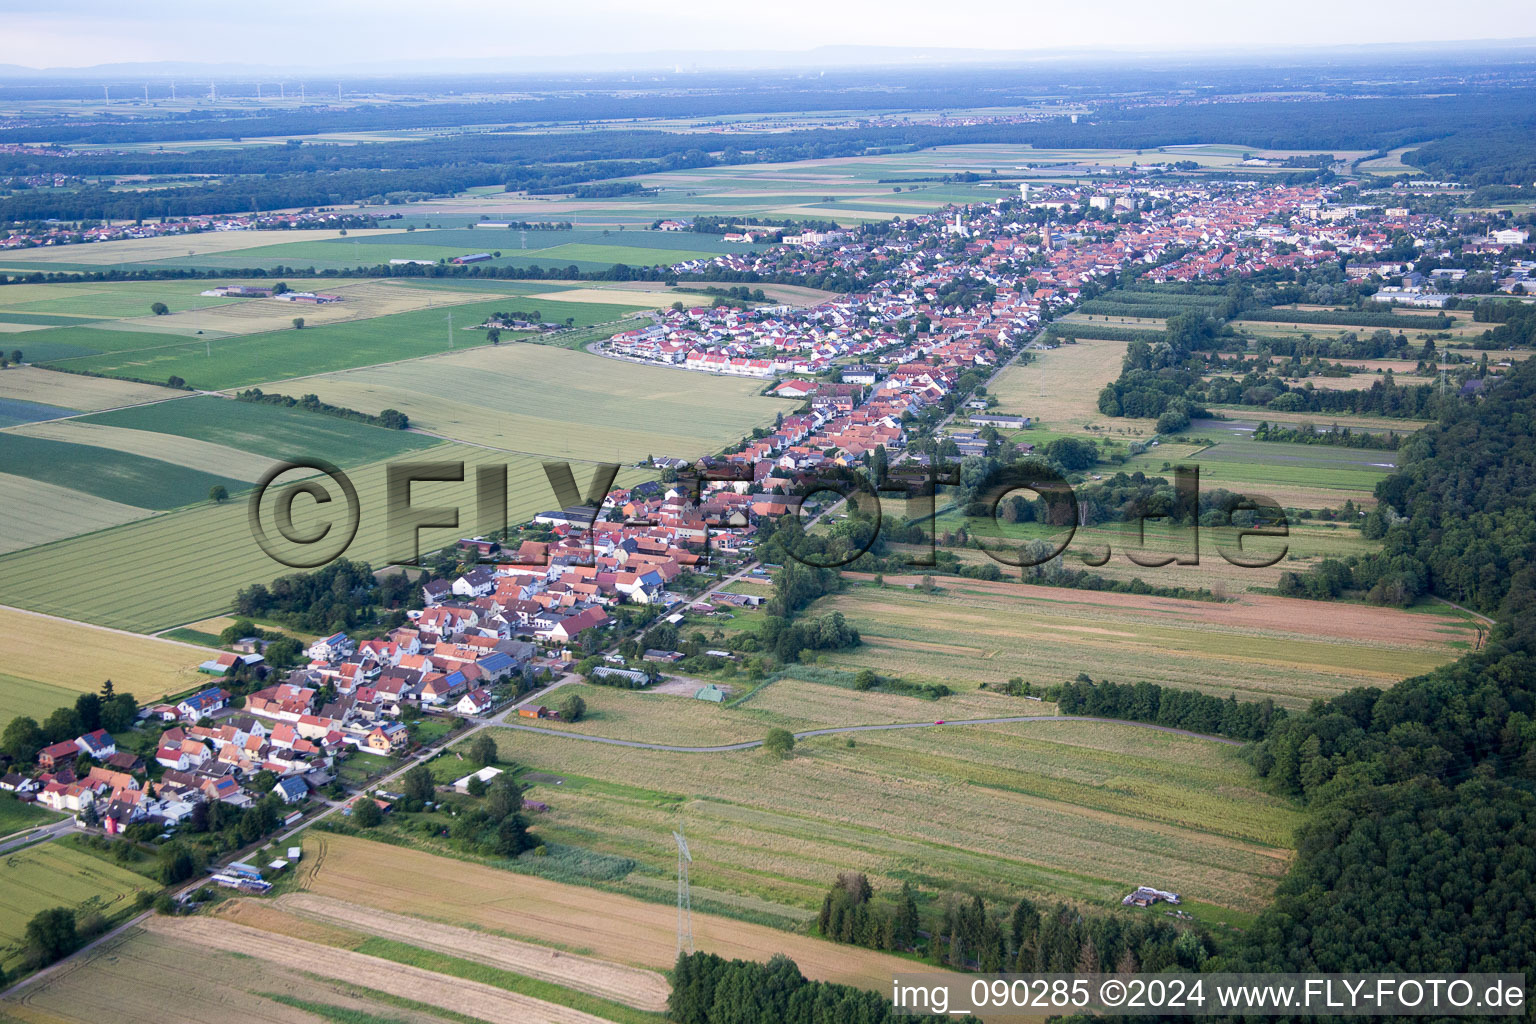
<point x="867" y="728"/>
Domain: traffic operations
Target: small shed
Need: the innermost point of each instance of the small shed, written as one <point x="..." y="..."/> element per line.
<point x="711" y="693"/>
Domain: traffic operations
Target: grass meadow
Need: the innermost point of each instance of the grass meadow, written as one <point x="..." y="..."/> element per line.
<point x="1073" y="810"/>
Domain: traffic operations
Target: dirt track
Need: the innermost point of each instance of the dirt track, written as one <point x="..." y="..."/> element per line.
<point x="493" y="1005"/>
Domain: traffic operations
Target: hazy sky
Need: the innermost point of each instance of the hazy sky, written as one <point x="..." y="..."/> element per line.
<point x="321" y="33"/>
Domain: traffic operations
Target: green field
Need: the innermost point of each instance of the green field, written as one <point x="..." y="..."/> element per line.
<point x="530" y="398"/>
<point x="186" y="566"/>
<point x="1295" y="475"/>
<point x="242" y="361"/>
<point x="1073" y="810"/>
<point x="273" y="431"/>
<point x="53" y="875"/>
<point x="112" y="475"/>
<point x="15" y="815"/>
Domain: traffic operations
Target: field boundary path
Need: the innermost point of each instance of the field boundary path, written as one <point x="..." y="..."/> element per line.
<point x="941" y="723"/>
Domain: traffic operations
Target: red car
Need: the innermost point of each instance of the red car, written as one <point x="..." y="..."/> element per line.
<point x="939" y="722"/>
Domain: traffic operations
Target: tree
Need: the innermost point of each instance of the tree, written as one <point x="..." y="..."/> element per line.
<point x="298" y="323"/>
<point x="264" y="780"/>
<point x="51" y="934"/>
<point x="493" y="335"/>
<point x="159" y="308"/>
<point x="175" y="382"/>
<point x="779" y="742"/>
<point x="107" y="690"/>
<point x="475" y="786"/>
<point x="176" y="864"/>
<point x="218" y="494"/>
<point x="418" y="784"/>
<point x="88" y="708"/>
<point x="482" y="750"/>
<point x="366" y="813"/>
<point x="572" y="708"/>
<point x="62" y="724"/>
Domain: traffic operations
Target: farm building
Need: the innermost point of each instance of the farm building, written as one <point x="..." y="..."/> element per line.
<point x="485" y="774"/>
<point x="1145" y="896"/>
<point x="711" y="693"/>
<point x="533" y="711"/>
<point x="474" y="257"/>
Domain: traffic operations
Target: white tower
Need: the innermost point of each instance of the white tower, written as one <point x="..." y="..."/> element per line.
<point x="1024" y="191"/>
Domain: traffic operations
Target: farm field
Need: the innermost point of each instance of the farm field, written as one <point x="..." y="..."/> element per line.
<point x="360" y="300"/>
<point x="215" y="459"/>
<point x="590" y="922"/>
<point x="106" y="473"/>
<point x="535" y="398"/>
<point x="187" y="565"/>
<point x="265" y="433"/>
<point x="240" y="361"/>
<point x="1256" y="646"/>
<point x="48" y="663"/>
<point x="170" y="248"/>
<point x="677" y="719"/>
<point x="1060" y="388"/>
<point x="348" y="925"/>
<point x="1249" y="416"/>
<point x="218" y="983"/>
<point x="43" y="512"/>
<point x="587" y="248"/>
<point x="50" y="875"/>
<point x="801" y="188"/>
<point x="1064" y="810"/>
<point x="73" y="393"/>
<point x="1307" y="543"/>
<point x="1295" y="475"/>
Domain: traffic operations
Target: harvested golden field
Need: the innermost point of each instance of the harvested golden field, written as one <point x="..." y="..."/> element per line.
<point x="139" y="250"/>
<point x="1255" y="646"/>
<point x="40" y="512"/>
<point x="1074" y="810"/>
<point x="456" y="995"/>
<point x="361" y="300"/>
<point x="333" y="923"/>
<point x="74" y="391"/>
<point x="46" y="662"/>
<point x="1060" y="388"/>
<point x="218" y="459"/>
<point x="211" y="987"/>
<point x="587" y="921"/>
<point x="549" y="400"/>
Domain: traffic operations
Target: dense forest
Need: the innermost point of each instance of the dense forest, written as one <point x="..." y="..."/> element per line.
<point x="1420" y="848"/>
<point x="707" y="989"/>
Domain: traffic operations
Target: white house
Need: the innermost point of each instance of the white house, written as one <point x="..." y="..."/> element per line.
<point x="332" y="648"/>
